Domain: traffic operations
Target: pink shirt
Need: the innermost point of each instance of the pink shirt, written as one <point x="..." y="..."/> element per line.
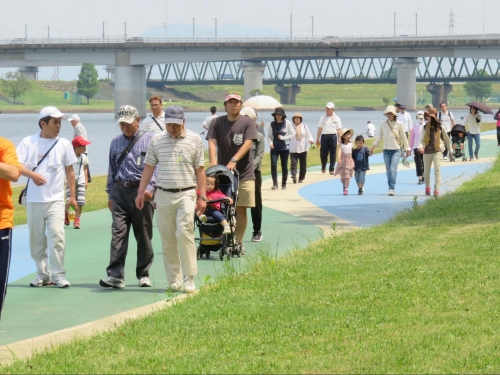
<point x="213" y="195"/>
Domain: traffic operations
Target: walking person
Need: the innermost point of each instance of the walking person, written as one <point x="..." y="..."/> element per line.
<point x="392" y="133"/>
<point x="345" y="166"/>
<point x="126" y="165"/>
<point x="473" y="123"/>
<point x="258" y="149"/>
<point x="299" y="145"/>
<point x="46" y="159"/>
<point x="360" y="155"/>
<point x="10" y="171"/>
<point x="497" y="118"/>
<point x="80" y="131"/>
<point x="447" y="122"/>
<point x="328" y="130"/>
<point x="209" y="119"/>
<point x="178" y="155"/>
<point x="405" y="119"/>
<point x="280" y="132"/>
<point x="431" y="146"/>
<point x="230" y="140"/>
<point x="155" y="123"/>
<point x="414" y="145"/>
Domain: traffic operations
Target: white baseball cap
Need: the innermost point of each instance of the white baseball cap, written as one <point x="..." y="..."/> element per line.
<point x="74" y="117"/>
<point x="52" y="112"/>
<point x="330" y="105"/>
<point x="250" y="112"/>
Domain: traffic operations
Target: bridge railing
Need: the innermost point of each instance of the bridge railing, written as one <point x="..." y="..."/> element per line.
<point x="324" y="39"/>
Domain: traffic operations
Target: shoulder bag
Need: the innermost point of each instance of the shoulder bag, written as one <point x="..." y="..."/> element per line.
<point x="22" y="197"/>
<point x="127" y="150"/>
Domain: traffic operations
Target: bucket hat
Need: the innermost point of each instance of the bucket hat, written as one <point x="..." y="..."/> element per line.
<point x="279" y="111"/>
<point x="345" y="130"/>
<point x="297" y="114"/>
<point x="390" y="109"/>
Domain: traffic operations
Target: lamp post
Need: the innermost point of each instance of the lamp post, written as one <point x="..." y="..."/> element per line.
<point x="48" y="32"/>
<point x="394" y="24"/>
<point x="125" y="35"/>
<point x="312" y="27"/>
<point x="193" y="27"/>
<point x="215" y="29"/>
<point x="416" y="23"/>
<point x="102" y="30"/>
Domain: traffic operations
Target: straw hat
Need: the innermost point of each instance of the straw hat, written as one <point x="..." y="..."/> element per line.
<point x="390" y="109"/>
<point x="297" y="114"/>
<point x="345" y="130"/>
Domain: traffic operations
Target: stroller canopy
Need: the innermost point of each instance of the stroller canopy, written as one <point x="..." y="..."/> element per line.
<point x="458" y="128"/>
<point x="222" y="170"/>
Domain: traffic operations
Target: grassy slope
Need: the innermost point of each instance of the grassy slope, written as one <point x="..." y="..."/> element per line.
<point x="417" y="294"/>
<point x="311" y="96"/>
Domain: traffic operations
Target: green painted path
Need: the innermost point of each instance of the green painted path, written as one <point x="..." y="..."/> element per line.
<point x="31" y="312"/>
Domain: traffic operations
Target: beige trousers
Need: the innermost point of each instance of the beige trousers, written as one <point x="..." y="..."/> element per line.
<point x="436" y="160"/>
<point x="175" y="219"/>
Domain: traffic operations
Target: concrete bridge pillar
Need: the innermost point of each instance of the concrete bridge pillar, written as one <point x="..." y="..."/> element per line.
<point x="110" y="69"/>
<point x="407" y="82"/>
<point x="252" y="76"/>
<point x="130" y="84"/>
<point x="287" y="93"/>
<point x="439" y="93"/>
<point x="30" y="72"/>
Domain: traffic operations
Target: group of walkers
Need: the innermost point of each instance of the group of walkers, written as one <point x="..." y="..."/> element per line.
<point x="158" y="169"/>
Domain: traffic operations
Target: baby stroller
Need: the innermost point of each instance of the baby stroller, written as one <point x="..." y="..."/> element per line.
<point x="211" y="236"/>
<point x="457" y="151"/>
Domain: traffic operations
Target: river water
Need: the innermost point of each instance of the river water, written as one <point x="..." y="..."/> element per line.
<point x="102" y="127"/>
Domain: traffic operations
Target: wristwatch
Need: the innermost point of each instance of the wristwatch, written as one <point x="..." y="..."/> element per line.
<point x="202" y="197"/>
<point x="234" y="160"/>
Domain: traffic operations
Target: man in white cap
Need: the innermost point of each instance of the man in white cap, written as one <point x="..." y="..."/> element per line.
<point x="46" y="160"/>
<point x="78" y="128"/>
<point x="328" y="133"/>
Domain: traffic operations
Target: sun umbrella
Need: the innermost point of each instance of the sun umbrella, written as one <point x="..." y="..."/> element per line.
<point x="262" y="102"/>
<point x="480" y="106"/>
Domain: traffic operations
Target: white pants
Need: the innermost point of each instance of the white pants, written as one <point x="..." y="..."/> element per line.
<point x="435" y="159"/>
<point x="175" y="219"/>
<point x="46" y="230"/>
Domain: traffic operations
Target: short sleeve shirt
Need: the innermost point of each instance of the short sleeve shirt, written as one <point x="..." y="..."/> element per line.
<point x="446" y="120"/>
<point x="360" y="157"/>
<point x="79" y="168"/>
<point x="230" y="136"/>
<point x="208" y="120"/>
<point x="8" y="156"/>
<point x="79" y="130"/>
<point x="330" y="125"/>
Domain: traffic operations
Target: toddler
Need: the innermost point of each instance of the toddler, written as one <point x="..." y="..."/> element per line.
<point x="213" y="193"/>
<point x="458" y="139"/>
<point x="345" y="166"/>
<point x="360" y="156"/>
<point x="81" y="179"/>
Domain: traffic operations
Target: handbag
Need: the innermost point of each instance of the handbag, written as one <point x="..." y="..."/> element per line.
<point x="22" y="196"/>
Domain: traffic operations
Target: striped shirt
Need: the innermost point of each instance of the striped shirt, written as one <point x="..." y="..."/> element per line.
<point x="132" y="166"/>
<point x="177" y="159"/>
<point x="149" y="124"/>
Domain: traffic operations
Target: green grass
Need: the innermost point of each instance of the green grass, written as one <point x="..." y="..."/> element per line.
<point x="418" y="294"/>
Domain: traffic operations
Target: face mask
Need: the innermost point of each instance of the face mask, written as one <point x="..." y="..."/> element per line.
<point x="421" y="121"/>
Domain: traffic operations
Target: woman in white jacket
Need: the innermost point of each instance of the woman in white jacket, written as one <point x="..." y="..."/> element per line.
<point x="280" y="132"/>
<point x="299" y="145"/>
<point x="472" y="123"/>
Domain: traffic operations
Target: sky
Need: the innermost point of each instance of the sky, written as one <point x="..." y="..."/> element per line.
<point x="240" y="18"/>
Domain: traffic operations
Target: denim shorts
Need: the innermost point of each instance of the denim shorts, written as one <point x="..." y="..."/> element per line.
<point x="360" y="177"/>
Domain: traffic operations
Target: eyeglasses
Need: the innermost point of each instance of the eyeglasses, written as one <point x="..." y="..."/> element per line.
<point x="155" y="105"/>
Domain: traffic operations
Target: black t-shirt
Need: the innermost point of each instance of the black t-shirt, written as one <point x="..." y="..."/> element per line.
<point x="230" y="136"/>
<point x="360" y="157"/>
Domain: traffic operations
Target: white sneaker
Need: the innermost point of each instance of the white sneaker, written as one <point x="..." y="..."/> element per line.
<point x="174" y="286"/>
<point x="227" y="230"/>
<point x="61" y="282"/>
<point x="391" y="192"/>
<point x="445" y="157"/>
<point x="144" y="282"/>
<point x="112" y="282"/>
<point x="40" y="281"/>
<point x="189" y="285"/>
<point x="203" y="218"/>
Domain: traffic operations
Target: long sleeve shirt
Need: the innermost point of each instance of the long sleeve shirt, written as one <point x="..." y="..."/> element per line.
<point x="305" y="140"/>
<point x="446" y="139"/>
<point x="385" y="133"/>
<point x="471" y="123"/>
<point x="289" y="133"/>
<point x="258" y="149"/>
<point x="132" y="166"/>
<point x="415" y="135"/>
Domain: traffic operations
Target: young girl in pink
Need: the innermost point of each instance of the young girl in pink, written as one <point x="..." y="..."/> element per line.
<point x="213" y="193"/>
<point x="345" y="166"/>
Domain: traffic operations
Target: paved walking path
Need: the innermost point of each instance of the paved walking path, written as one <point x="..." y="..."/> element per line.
<point x="292" y="218"/>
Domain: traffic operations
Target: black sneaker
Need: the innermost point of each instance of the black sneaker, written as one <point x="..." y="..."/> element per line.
<point x="257" y="237"/>
<point x="275" y="186"/>
<point x="294" y="180"/>
<point x="360" y="191"/>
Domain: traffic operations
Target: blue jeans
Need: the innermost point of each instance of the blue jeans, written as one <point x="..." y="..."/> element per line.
<point x="477" y="139"/>
<point x="216" y="214"/>
<point x="391" y="160"/>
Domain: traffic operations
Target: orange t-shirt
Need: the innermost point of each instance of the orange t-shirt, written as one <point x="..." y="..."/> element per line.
<point x="8" y="156"/>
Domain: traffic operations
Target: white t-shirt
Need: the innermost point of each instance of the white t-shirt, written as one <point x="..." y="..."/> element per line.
<point x="371" y="130"/>
<point x="52" y="168"/>
<point x="446" y="120"/>
<point x="149" y="125"/>
<point x="406" y="120"/>
<point x="79" y="168"/>
<point x="330" y="125"/>
<point x="208" y="121"/>
<point x="79" y="130"/>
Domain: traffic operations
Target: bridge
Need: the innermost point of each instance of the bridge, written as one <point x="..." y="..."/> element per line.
<point x="130" y="58"/>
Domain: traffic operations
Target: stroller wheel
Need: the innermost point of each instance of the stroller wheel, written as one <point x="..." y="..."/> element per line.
<point x="222" y="250"/>
<point x="237" y="250"/>
<point x="229" y="252"/>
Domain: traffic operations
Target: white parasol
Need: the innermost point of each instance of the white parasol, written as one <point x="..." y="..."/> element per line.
<point x="262" y="102"/>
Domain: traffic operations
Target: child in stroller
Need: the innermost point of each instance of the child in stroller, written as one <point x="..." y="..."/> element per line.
<point x="458" y="140"/>
<point x="217" y="225"/>
<point x="214" y="209"/>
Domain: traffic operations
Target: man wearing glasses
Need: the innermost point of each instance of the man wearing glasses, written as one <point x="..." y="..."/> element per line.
<point x="156" y="122"/>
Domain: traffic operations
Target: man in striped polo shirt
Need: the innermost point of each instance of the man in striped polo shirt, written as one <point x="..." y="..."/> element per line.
<point x="178" y="153"/>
